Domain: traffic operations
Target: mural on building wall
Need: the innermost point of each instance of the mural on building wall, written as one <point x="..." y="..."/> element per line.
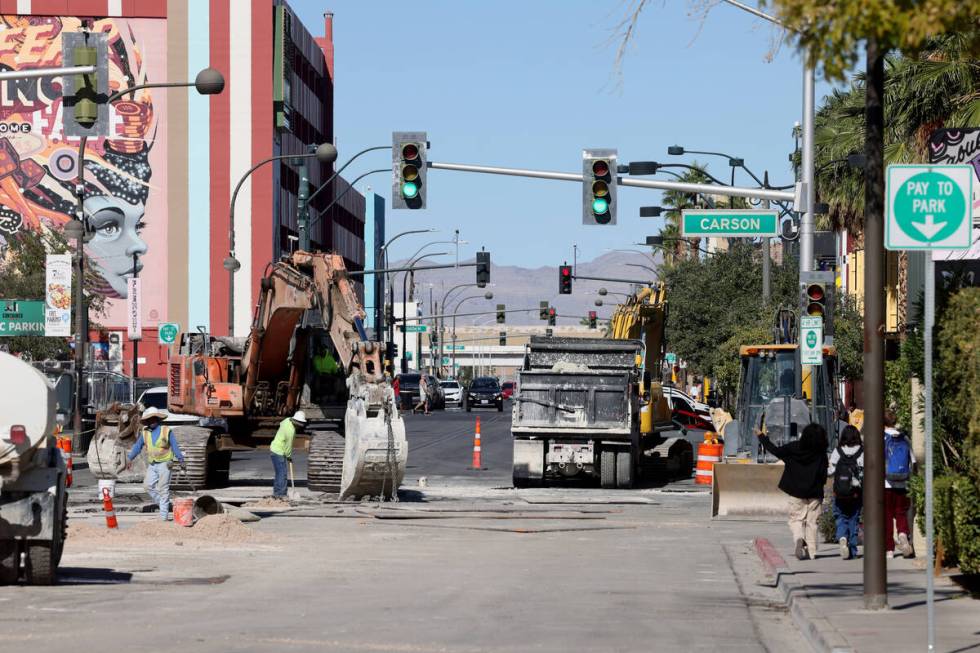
<point x="38" y="165"/>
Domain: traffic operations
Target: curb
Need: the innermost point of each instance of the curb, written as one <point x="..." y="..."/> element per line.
<point x="816" y="628"/>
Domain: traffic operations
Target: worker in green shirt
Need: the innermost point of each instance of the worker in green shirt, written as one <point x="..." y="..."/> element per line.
<point x="327" y="371"/>
<point x="282" y="450"/>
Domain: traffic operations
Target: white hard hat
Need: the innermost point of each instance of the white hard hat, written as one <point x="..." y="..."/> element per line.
<point x="300" y="417"/>
<point x="154" y="412"/>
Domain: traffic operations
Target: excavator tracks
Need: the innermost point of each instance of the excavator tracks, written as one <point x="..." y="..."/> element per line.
<point x="193" y="442"/>
<point x="326" y="461"/>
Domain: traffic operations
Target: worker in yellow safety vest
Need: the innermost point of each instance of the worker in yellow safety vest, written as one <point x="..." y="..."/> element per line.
<point x="281" y="450"/>
<point x="161" y="451"/>
<point x="327" y="373"/>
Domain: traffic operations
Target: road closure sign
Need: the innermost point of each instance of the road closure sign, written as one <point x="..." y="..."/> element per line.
<point x="811" y="340"/>
<point x="729" y="223"/>
<point x="928" y="207"/>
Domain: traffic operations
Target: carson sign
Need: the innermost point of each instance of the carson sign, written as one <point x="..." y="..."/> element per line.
<point x="729" y="223"/>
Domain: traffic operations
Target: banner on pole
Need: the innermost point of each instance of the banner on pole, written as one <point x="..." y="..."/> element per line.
<point x="134" y="321"/>
<point x="57" y="297"/>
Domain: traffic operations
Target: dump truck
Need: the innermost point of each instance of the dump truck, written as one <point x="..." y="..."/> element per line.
<point x="585" y="408"/>
<point x="242" y="388"/>
<point x="33" y="496"/>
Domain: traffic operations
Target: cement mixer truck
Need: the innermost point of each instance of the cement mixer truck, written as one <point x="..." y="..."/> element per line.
<point x="33" y="499"/>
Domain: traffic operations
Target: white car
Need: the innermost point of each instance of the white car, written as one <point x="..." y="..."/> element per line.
<point x="453" y="391"/>
<point x="157" y="398"/>
<point x="686" y="410"/>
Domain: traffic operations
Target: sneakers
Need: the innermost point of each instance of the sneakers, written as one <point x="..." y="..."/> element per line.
<point x="905" y="546"/>
<point x="845" y="550"/>
<point x="889" y="554"/>
<point x="802" y="553"/>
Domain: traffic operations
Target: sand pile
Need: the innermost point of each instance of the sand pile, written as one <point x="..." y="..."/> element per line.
<point x="219" y="530"/>
<point x="267" y="502"/>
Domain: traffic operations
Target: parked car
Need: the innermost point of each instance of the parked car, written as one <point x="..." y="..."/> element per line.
<point x="507" y="389"/>
<point x="453" y="392"/>
<point x="484" y="392"/>
<point x="686" y="411"/>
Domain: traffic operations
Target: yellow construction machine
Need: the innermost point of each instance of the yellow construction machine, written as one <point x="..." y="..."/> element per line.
<point x="777" y="395"/>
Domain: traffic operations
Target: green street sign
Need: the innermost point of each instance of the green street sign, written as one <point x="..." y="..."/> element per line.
<point x="167" y="332"/>
<point x="445" y="360"/>
<point x="21" y="318"/>
<point x="811" y="340"/>
<point x="729" y="223"/>
<point x="671" y="358"/>
<point x="928" y="207"/>
<point x="456" y="347"/>
<point x="415" y="328"/>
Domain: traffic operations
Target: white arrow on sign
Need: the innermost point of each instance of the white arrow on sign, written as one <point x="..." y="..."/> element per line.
<point x="930" y="227"/>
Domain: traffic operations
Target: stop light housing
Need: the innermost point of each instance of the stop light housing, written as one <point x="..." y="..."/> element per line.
<point x="501" y="316"/>
<point x="565" y="279"/>
<point x="552" y="316"/>
<point x="86" y="112"/>
<point x="503" y="338"/>
<point x="408" y="151"/>
<point x="599" y="179"/>
<point x="593" y="319"/>
<point x="817" y="297"/>
<point x="482" y="269"/>
<point x="543" y="311"/>
<point x="391" y="350"/>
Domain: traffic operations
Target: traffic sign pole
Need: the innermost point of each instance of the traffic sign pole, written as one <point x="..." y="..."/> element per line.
<point x="930" y="319"/>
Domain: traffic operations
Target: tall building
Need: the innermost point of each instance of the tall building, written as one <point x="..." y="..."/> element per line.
<point x="158" y="188"/>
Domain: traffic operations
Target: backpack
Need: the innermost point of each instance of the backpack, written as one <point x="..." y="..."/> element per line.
<point x="847" y="474"/>
<point x="897" y="461"/>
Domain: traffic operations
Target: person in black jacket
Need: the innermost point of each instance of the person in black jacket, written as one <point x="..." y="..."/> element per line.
<point x="803" y="480"/>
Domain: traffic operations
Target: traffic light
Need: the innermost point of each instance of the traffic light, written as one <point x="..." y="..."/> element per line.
<point x="482" y="269"/>
<point x="552" y="316"/>
<point x="549" y="332"/>
<point x="543" y="311"/>
<point x="501" y="316"/>
<point x="86" y="112"/>
<point x="817" y="297"/>
<point x="565" y="279"/>
<point x="408" y="150"/>
<point x="503" y="338"/>
<point x="391" y="350"/>
<point x="593" y="319"/>
<point x="599" y="186"/>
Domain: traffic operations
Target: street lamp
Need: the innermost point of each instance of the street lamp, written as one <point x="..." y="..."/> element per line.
<point x="389" y="293"/>
<point x="208" y="82"/>
<point x="325" y="153"/>
<point x="488" y="296"/>
<point x="632" y="251"/>
<point x="411" y="265"/>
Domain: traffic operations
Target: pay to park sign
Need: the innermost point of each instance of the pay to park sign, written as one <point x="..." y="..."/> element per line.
<point x="729" y="223"/>
<point x="929" y="207"/>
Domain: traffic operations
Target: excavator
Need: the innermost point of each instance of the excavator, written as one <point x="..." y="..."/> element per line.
<point x="240" y="389"/>
<point x="779" y="396"/>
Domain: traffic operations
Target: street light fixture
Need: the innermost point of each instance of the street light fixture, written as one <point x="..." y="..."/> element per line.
<point x="488" y="296"/>
<point x="411" y="265"/>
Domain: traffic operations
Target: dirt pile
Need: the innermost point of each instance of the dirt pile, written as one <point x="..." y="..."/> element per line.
<point x="213" y="530"/>
<point x="267" y="502"/>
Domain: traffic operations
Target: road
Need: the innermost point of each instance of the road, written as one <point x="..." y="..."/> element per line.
<point x="465" y="563"/>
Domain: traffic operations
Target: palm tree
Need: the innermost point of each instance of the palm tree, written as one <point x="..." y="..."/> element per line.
<point x="674" y="202"/>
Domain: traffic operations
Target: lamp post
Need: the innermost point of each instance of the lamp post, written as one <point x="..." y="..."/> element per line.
<point x="412" y="264"/>
<point x="441" y="321"/>
<point x="208" y="82"/>
<point x="325" y="153"/>
<point x="389" y="294"/>
<point x="487" y="295"/>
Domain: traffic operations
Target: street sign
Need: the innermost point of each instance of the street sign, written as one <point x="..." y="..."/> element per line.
<point x="671" y="358"/>
<point x="811" y="340"/>
<point x="456" y="347"/>
<point x="445" y="360"/>
<point x="21" y="318"/>
<point x="414" y="328"/>
<point x="729" y="223"/>
<point x="928" y="207"/>
<point x="167" y="332"/>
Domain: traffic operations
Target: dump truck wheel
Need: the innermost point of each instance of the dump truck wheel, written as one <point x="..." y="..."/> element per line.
<point x="41" y="567"/>
<point x="607" y="469"/>
<point x="624" y="470"/>
<point x="9" y="562"/>
<point x="325" y="464"/>
<point x="193" y="442"/>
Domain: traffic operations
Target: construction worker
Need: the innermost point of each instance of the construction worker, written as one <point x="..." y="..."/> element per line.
<point x="161" y="450"/>
<point x="282" y="450"/>
<point x="327" y="370"/>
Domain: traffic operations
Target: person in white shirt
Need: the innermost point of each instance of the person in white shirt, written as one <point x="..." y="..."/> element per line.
<point x="846" y="467"/>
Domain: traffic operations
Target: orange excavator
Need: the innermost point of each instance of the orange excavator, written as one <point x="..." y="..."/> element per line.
<point x="240" y="389"/>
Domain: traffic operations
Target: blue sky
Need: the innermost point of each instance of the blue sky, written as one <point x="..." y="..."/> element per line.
<point x="528" y="84"/>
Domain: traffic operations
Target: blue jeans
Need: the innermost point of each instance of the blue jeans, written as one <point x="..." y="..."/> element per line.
<point x="279" y="484"/>
<point x="847" y="514"/>
<point x="157" y="482"/>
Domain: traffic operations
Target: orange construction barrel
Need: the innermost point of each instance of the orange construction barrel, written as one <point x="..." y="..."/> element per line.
<point x="708" y="455"/>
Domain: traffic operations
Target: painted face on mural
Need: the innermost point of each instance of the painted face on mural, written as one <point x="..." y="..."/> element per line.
<point x="116" y="241"/>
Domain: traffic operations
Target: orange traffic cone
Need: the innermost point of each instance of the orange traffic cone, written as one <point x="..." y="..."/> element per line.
<point x="110" y="513"/>
<point x="477" y="462"/>
<point x="64" y="443"/>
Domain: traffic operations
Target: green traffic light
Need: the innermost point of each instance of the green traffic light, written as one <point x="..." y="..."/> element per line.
<point x="600" y="206"/>
<point x="409" y="190"/>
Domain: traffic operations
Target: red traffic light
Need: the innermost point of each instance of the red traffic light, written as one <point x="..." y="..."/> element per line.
<point x="600" y="168"/>
<point x="410" y="151"/>
<point x="815" y="292"/>
<point x="592" y="315"/>
<point x="551" y="312"/>
<point x="566" y="271"/>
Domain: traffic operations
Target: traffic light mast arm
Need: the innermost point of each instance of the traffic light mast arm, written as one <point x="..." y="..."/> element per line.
<point x="415" y="318"/>
<point x="644" y="282"/>
<point x="797" y="196"/>
<point x="411" y="269"/>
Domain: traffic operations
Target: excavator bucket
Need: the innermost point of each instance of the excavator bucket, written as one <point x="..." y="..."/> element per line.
<point x="375" y="451"/>
<point x="748" y="490"/>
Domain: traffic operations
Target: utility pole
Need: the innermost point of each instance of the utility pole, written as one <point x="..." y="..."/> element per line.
<point x="302" y="204"/>
<point x="136" y="343"/>
<point x="81" y="312"/>
<point x="766" y="259"/>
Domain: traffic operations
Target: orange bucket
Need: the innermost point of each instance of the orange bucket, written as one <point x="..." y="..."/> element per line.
<point x="708" y="455"/>
<point x="184" y="512"/>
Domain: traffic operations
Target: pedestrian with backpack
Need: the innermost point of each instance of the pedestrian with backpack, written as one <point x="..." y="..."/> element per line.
<point x="847" y="469"/>
<point x="899" y="462"/>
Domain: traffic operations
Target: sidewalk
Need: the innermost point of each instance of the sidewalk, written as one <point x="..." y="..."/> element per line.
<point x="825" y="597"/>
